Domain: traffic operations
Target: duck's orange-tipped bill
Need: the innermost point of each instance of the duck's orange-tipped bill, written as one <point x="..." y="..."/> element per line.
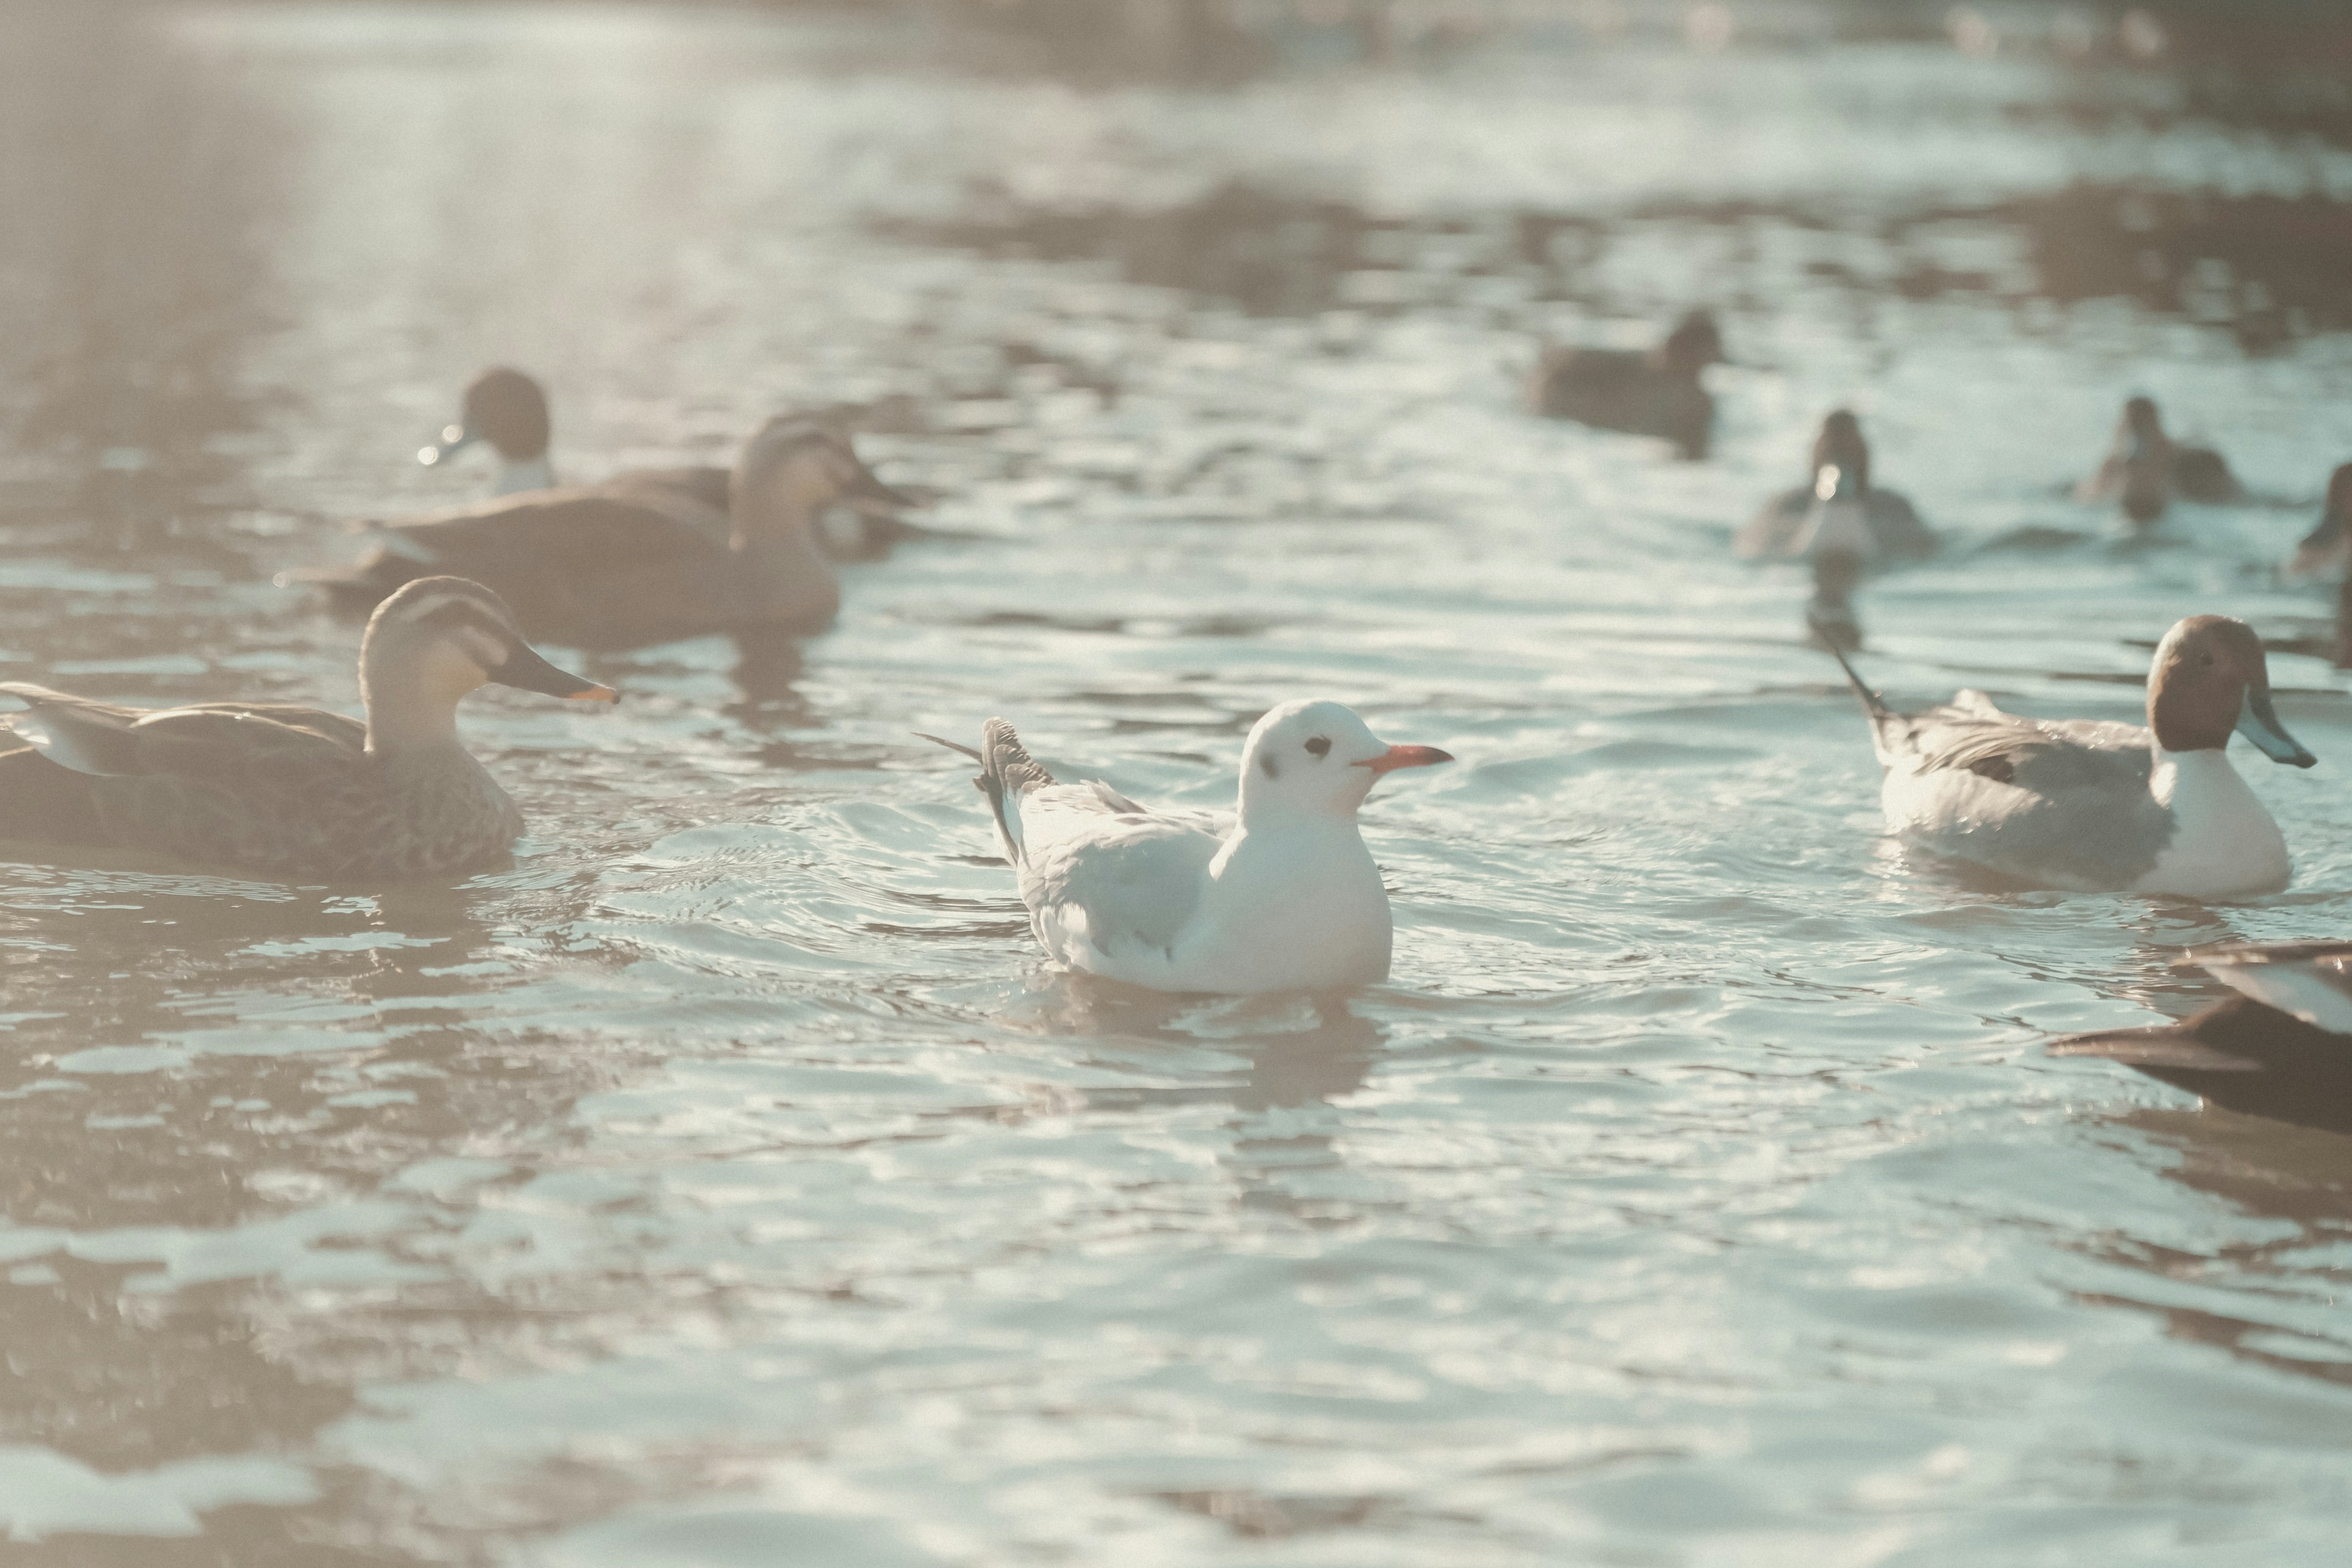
<point x="526" y="671"/>
<point x="1397" y="757"/>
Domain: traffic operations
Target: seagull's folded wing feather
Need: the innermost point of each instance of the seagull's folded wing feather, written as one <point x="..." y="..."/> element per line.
<point x="1105" y="871"/>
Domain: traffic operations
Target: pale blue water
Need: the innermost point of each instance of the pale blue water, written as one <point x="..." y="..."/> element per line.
<point x="728" y="1183"/>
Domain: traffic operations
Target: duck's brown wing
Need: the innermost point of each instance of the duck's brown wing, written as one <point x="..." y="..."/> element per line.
<point x="261" y="784"/>
<point x="552" y="555"/>
<point x="707" y="487"/>
<point x="554" y="528"/>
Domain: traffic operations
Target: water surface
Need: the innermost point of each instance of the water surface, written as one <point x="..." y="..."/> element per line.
<point x="728" y="1182"/>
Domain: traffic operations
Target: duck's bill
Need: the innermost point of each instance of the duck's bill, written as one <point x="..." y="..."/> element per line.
<point x="2258" y="722"/>
<point x="453" y="440"/>
<point x="2322" y="546"/>
<point x="1397" y="757"/>
<point x="865" y="486"/>
<point x="526" y="671"/>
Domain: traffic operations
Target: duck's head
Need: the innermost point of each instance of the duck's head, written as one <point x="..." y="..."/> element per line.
<point x="502" y="406"/>
<point x="1841" y="442"/>
<point x="2211" y="679"/>
<point x="795" y="467"/>
<point x="2142" y="426"/>
<point x="1694" y="344"/>
<point x="438" y="639"/>
<point x="2327" y="543"/>
<point x="1317" y="758"/>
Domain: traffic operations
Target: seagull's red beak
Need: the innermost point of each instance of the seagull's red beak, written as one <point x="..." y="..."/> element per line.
<point x="1397" y="757"/>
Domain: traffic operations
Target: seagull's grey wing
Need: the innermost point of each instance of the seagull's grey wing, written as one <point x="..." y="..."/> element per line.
<point x="1113" y="878"/>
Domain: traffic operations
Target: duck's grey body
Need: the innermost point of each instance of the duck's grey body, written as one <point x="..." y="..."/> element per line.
<point x="1895" y="528"/>
<point x="2059" y="803"/>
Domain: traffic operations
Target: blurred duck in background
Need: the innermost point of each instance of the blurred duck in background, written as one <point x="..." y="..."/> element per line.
<point x="1839" y="524"/>
<point x="506" y="409"/>
<point x="1653" y="394"/>
<point x="2095" y="806"/>
<point x="292" y="791"/>
<point x="2148" y="470"/>
<point x="1780" y="530"/>
<point x="2282" y="1048"/>
<point x="2328" y="547"/>
<point x="628" y="564"/>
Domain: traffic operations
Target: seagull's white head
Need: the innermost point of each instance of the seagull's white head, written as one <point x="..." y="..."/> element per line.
<point x="1317" y="758"/>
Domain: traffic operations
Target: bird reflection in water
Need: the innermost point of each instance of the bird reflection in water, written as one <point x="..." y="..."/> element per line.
<point x="1302" y="1054"/>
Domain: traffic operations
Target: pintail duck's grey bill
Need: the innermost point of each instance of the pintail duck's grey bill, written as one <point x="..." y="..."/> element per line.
<point x="2258" y="722"/>
<point x="1397" y="757"/>
<point x="526" y="671"/>
<point x="453" y="440"/>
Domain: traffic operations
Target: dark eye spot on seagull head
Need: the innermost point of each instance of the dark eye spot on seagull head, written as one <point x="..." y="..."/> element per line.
<point x="1265" y="763"/>
<point x="1320" y="746"/>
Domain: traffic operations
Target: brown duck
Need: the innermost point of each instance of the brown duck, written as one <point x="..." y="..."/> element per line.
<point x="629" y="564"/>
<point x="1654" y="393"/>
<point x="293" y="791"/>
<point x="2148" y="470"/>
<point x="506" y="410"/>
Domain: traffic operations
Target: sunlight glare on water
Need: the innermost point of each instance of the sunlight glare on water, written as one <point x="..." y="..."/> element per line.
<point x="728" y="1182"/>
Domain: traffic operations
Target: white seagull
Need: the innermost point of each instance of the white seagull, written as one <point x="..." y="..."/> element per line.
<point x="1281" y="896"/>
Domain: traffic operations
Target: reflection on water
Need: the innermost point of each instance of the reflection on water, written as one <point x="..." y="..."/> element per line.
<point x="726" y="1182"/>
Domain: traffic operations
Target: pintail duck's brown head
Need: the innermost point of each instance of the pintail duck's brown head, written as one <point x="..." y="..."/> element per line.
<point x="2211" y="679"/>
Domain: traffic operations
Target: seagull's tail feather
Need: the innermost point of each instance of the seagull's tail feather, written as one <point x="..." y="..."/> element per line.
<point x="956" y="746"/>
<point x="1007" y="774"/>
<point x="1889" y="730"/>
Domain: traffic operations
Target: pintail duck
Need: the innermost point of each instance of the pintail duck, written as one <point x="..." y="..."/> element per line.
<point x="292" y="791"/>
<point x="506" y="409"/>
<point x="624" y="564"/>
<point x="2147" y="469"/>
<point x="1790" y="525"/>
<point x="1841" y="525"/>
<point x="1282" y="896"/>
<point x="2282" y="1048"/>
<point x="2328" y="547"/>
<point x="1653" y="394"/>
<point x="2095" y="806"/>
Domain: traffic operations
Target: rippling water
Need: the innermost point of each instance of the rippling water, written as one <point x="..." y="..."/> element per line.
<point x="728" y="1183"/>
